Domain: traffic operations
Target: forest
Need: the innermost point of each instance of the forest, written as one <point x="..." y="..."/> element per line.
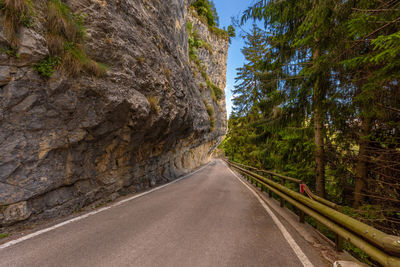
<point x="318" y="99"/>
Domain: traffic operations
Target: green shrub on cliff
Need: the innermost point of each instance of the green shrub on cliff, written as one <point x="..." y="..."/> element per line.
<point x="206" y="9"/>
<point x="195" y="42"/>
<point x="48" y="66"/>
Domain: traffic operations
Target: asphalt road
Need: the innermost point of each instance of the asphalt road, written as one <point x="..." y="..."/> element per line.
<point x="207" y="219"/>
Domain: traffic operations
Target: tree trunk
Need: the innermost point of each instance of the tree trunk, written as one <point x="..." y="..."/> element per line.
<point x="362" y="170"/>
<point x="318" y="97"/>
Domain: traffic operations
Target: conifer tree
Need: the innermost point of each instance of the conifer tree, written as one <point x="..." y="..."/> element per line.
<point x="326" y="101"/>
<point x="247" y="90"/>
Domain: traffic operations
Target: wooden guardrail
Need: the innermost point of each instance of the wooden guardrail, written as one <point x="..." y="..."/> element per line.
<point x="303" y="187"/>
<point x="382" y="247"/>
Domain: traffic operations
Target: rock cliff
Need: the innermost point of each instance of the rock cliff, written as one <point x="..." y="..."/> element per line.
<point x="70" y="140"/>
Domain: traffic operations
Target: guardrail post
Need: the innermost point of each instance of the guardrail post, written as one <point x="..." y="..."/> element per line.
<point x="282" y="201"/>
<point x="338" y="243"/>
<point x="269" y="191"/>
<point x="301" y="213"/>
<point x="301" y="216"/>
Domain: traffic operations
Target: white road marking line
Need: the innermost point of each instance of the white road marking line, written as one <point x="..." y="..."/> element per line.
<point x="299" y="253"/>
<point x="21" y="239"/>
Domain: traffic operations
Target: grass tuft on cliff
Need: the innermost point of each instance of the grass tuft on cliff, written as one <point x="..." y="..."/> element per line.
<point x="4" y="235"/>
<point x="65" y="39"/>
<point x="154" y="104"/>
<point x="211" y="114"/>
<point x="62" y="21"/>
<point x="16" y="13"/>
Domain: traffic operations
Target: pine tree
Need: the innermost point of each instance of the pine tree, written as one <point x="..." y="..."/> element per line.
<point x="323" y="100"/>
<point x="373" y="61"/>
<point x="247" y="90"/>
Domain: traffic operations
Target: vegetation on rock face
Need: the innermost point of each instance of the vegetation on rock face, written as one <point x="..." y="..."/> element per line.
<point x="11" y="52"/>
<point x="206" y="12"/>
<point x="4" y="235"/>
<point x="319" y="99"/>
<point x="154" y="105"/>
<point x="16" y="13"/>
<point x="168" y="125"/>
<point x="195" y="42"/>
<point x="66" y="38"/>
<point x="206" y="9"/>
<point x="211" y="114"/>
<point x="48" y="66"/>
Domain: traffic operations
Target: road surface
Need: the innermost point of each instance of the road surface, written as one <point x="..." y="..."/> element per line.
<point x="209" y="218"/>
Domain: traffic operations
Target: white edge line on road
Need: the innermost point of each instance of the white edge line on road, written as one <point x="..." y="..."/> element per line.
<point x="29" y="236"/>
<point x="299" y="253"/>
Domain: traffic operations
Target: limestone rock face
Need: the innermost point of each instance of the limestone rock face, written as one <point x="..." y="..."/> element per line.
<point x="66" y="142"/>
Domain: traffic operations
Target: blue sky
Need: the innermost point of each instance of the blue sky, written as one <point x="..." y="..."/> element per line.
<point x="227" y="9"/>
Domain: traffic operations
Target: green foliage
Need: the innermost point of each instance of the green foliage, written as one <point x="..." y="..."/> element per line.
<point x="206" y="9"/>
<point x="370" y="214"/>
<point x="211" y="114"/>
<point x="217" y="92"/>
<point x="285" y="150"/>
<point x="195" y="42"/>
<point x="66" y="38"/>
<point x="358" y="253"/>
<point x="213" y="28"/>
<point x="231" y="32"/>
<point x="247" y="90"/>
<point x="3" y="235"/>
<point x="16" y="13"/>
<point x="327" y="70"/>
<point x="154" y="104"/>
<point x="62" y="21"/>
<point x="47" y="67"/>
<point x="11" y="52"/>
<point x="220" y="33"/>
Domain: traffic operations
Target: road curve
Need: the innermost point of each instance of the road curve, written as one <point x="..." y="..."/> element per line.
<point x="207" y="219"/>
